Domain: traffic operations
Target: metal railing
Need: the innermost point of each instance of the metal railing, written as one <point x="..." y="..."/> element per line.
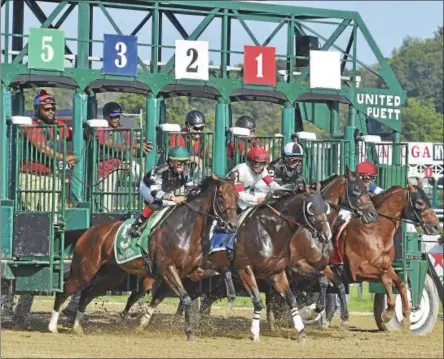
<point x="116" y="166"/>
<point x="37" y="178"/>
<point x="238" y="147"/>
<point x="324" y="158"/>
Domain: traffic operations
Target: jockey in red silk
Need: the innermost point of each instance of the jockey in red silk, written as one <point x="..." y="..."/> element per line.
<point x="253" y="181"/>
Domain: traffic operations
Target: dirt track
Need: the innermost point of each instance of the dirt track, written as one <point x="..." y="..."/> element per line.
<point x="105" y="336"/>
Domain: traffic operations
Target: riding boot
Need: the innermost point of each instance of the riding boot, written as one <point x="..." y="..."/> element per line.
<point x="138" y="226"/>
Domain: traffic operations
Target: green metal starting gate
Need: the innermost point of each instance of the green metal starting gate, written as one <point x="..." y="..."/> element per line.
<point x="103" y="184"/>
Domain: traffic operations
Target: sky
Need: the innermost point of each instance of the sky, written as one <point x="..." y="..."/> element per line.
<point x="388" y="21"/>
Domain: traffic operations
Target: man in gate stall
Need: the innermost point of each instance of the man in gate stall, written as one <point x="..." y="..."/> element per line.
<point x="195" y="142"/>
<point x="287" y="170"/>
<point x="115" y="146"/>
<point x="42" y="155"/>
<point x="248" y="123"/>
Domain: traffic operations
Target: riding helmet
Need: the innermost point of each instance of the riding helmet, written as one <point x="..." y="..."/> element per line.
<point x="195" y="118"/>
<point x="246" y="122"/>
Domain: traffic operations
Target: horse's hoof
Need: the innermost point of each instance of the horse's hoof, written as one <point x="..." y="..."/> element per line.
<point x="140" y="329"/>
<point x="302" y="339"/>
<point x="255" y="338"/>
<point x="53" y="329"/>
<point x="405" y="325"/>
<point x="386" y="317"/>
<point x="344" y="326"/>
<point x="190" y="338"/>
<point x="77" y="329"/>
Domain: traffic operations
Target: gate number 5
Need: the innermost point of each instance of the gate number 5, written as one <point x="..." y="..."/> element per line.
<point x="47" y="50"/>
<point x="121" y="51"/>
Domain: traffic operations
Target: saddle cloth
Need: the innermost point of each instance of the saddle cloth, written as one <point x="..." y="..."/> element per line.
<point x="336" y="257"/>
<point x="127" y="248"/>
<point x="221" y="241"/>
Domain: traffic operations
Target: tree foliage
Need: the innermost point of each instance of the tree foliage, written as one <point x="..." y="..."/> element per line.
<point x="418" y="64"/>
<point x="422" y="122"/>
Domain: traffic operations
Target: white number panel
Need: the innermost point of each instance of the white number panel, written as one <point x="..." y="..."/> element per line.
<point x="192" y="60"/>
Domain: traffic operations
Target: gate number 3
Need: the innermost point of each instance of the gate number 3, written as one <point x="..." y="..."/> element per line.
<point x="47" y="50"/>
<point x="121" y="51"/>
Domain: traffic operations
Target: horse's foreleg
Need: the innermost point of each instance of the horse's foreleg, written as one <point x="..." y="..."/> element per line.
<point x="158" y="296"/>
<point x="134" y="297"/>
<point x="173" y="280"/>
<point x="249" y="281"/>
<point x="388" y="284"/>
<point x="403" y="292"/>
<point x="308" y="271"/>
<point x="337" y="281"/>
<point x="100" y="284"/>
<point x="280" y="283"/>
<point x="84" y="272"/>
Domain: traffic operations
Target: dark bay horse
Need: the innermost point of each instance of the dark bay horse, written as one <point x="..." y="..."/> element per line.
<point x="262" y="247"/>
<point x="368" y="250"/>
<point x="175" y="249"/>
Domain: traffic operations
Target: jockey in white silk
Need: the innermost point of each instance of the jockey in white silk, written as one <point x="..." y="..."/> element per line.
<point x="253" y="182"/>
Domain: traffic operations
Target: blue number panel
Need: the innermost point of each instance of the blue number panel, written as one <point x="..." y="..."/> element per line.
<point x="120" y="55"/>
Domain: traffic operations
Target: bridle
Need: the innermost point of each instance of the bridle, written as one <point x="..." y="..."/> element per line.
<point x="218" y="212"/>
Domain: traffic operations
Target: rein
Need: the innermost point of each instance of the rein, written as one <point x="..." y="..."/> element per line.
<point x="216" y="209"/>
<point x="409" y="204"/>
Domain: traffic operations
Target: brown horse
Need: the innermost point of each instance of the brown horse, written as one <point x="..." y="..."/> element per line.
<point x="175" y="249"/>
<point x="309" y="257"/>
<point x="368" y="250"/>
<point x="262" y="247"/>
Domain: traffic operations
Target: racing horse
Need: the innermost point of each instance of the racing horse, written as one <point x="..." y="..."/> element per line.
<point x="308" y="256"/>
<point x="261" y="249"/>
<point x="175" y="249"/>
<point x="368" y="250"/>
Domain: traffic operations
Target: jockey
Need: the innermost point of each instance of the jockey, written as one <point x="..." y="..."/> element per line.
<point x="288" y="169"/>
<point x="158" y="187"/>
<point x="253" y="181"/>
<point x="367" y="171"/>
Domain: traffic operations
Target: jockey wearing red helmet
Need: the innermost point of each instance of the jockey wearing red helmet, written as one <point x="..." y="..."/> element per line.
<point x="368" y="173"/>
<point x="252" y="178"/>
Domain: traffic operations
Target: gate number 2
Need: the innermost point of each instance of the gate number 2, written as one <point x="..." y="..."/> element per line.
<point x="192" y="52"/>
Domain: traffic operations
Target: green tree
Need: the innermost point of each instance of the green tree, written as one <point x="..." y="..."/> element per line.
<point x="422" y="122"/>
<point x="418" y="64"/>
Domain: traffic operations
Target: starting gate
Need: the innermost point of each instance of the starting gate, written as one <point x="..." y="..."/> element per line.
<point x="317" y="74"/>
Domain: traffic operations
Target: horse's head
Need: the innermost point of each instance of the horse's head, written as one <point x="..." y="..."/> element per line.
<point x="315" y="213"/>
<point x="225" y="202"/>
<point x="420" y="211"/>
<point x="356" y="197"/>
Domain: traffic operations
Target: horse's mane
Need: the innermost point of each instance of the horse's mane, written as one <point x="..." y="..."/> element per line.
<point x="383" y="195"/>
<point x="325" y="183"/>
<point x="204" y="185"/>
